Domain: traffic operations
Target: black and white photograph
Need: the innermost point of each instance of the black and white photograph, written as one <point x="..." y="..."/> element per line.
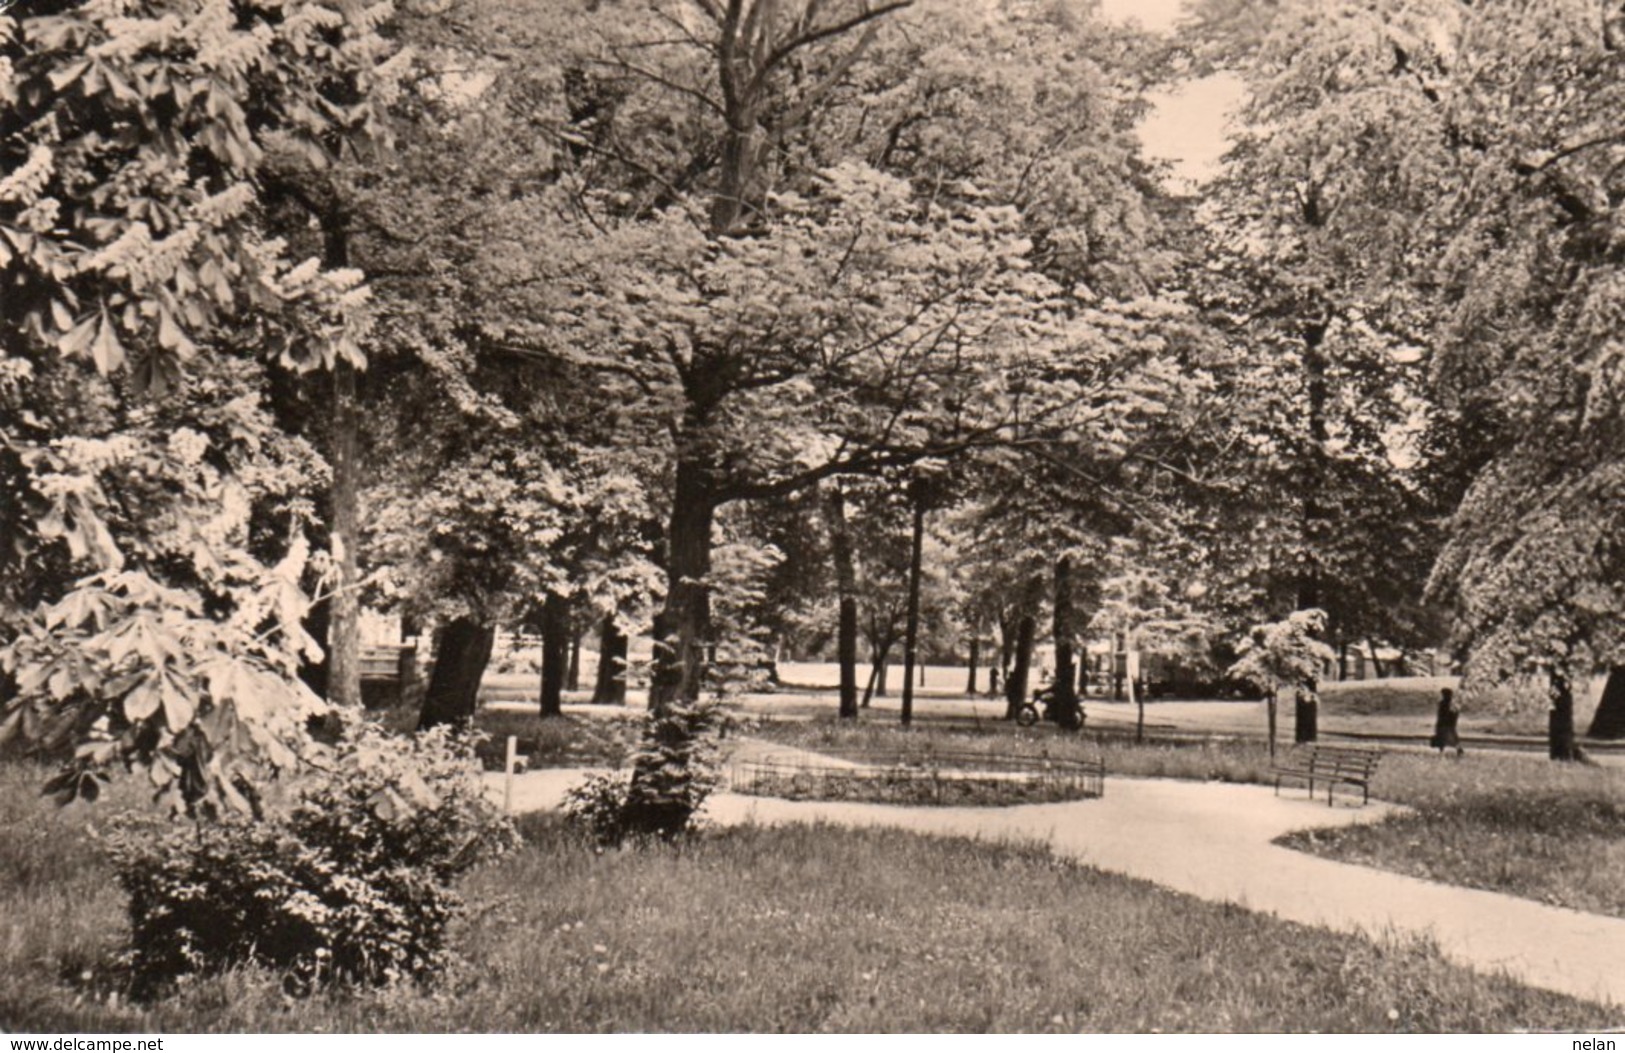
<point x="740" y="517"/>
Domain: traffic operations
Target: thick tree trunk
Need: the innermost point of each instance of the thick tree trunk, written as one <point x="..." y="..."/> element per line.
<point x="609" y="688"/>
<point x="973" y="658"/>
<point x="1312" y="477"/>
<point x="1560" y="720"/>
<point x="1306" y="712"/>
<point x="682" y="629"/>
<point x="846" y="590"/>
<point x="1015" y="688"/>
<point x="1609" y="720"/>
<point x="911" y="628"/>
<point x="555" y="653"/>
<point x="316" y="623"/>
<point x="1065" y="708"/>
<point x="461" y="654"/>
<point x="344" y="630"/>
<point x="1312" y="467"/>
<point x="882" y="670"/>
<point x="572" y="677"/>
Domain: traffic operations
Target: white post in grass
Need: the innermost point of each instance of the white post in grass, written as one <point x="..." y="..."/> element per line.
<point x="507" y="775"/>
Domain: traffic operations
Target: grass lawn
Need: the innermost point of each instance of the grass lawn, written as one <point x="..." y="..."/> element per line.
<point x="1514" y="823"/>
<point x="1505" y="822"/>
<point x="566" y="741"/>
<point x="793" y="929"/>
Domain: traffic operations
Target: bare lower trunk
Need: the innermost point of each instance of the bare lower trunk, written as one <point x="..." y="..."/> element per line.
<point x="462" y="652"/>
<point x="1609" y="720"/>
<point x="1065" y="708"/>
<point x="682" y="629"/>
<point x="1306" y="712"/>
<point x="344" y="628"/>
<point x="1015" y="688"/>
<point x="572" y="677"/>
<point x="1272" y="701"/>
<point x="609" y="688"/>
<point x="974" y="657"/>
<point x="344" y="631"/>
<point x="911" y="630"/>
<point x="877" y="676"/>
<point x="1560" y="720"/>
<point x="1377" y="671"/>
<point x="316" y="623"/>
<point x="846" y="588"/>
<point x="555" y="653"/>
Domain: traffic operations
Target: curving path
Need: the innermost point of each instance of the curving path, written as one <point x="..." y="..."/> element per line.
<point x="1212" y="840"/>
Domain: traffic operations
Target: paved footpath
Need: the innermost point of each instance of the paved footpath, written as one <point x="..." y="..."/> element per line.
<point x="1212" y="840"/>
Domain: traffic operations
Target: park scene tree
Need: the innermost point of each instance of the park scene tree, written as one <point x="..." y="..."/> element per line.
<point x="407" y="404"/>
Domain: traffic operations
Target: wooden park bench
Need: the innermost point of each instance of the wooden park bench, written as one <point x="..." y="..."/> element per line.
<point x="1348" y="765"/>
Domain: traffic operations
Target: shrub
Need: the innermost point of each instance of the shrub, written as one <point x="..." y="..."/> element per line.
<point x="674" y="769"/>
<point x="351" y="884"/>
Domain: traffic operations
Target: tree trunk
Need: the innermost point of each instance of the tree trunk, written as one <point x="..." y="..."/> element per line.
<point x="1560" y="720"/>
<point x="1272" y="700"/>
<point x="317" y="623"/>
<point x="609" y="687"/>
<point x="555" y="653"/>
<point x="846" y="589"/>
<point x="974" y="658"/>
<point x="1377" y="671"/>
<point x="1065" y="708"/>
<point x="1015" y="688"/>
<point x="1306" y="712"/>
<point x="1119" y="664"/>
<point x="572" y="678"/>
<point x="1312" y="468"/>
<point x="682" y="629"/>
<point x="461" y="654"/>
<point x="1609" y="720"/>
<point x="344" y="630"/>
<point x="911" y="628"/>
<point x="877" y="676"/>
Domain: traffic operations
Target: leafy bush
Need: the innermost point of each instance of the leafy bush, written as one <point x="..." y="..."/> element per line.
<point x="352" y="884"/>
<point x="674" y="769"/>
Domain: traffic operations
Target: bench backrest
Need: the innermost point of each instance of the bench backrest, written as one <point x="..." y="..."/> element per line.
<point x="1344" y="759"/>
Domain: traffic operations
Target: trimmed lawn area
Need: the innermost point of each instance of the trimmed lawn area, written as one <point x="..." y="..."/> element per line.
<point x="1506" y="822"/>
<point x="807" y="928"/>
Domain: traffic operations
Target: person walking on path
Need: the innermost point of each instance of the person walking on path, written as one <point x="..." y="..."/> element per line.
<point x="1444" y="723"/>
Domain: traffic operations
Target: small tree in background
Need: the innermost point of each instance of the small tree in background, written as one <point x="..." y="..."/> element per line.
<point x="1283" y="653"/>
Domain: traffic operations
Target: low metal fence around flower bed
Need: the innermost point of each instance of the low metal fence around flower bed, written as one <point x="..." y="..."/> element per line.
<point x="935" y="778"/>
